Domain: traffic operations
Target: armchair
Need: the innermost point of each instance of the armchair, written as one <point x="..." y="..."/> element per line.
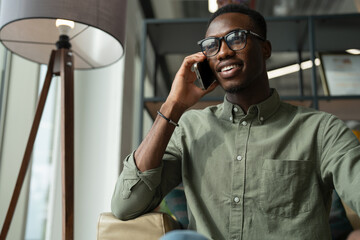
<point x="148" y="226"/>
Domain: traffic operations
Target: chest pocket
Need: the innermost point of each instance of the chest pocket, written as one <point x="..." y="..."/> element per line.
<point x="286" y="187"/>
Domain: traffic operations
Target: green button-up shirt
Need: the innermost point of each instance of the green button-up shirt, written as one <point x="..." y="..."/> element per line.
<point x="267" y="174"/>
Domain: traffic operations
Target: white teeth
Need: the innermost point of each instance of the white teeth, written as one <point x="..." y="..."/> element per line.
<point x="227" y="68"/>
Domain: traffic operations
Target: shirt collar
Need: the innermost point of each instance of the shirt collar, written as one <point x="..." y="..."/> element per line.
<point x="263" y="109"/>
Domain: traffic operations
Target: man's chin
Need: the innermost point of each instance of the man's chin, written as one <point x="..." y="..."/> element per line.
<point x="234" y="89"/>
<point x="236" y="85"/>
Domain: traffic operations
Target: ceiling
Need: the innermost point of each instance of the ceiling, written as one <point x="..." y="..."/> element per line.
<point x="165" y="9"/>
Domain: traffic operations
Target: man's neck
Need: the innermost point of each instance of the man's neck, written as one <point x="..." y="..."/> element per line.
<point x="247" y="98"/>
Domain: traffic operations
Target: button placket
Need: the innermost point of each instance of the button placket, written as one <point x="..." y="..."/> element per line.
<point x="244" y="123"/>
<point x="234" y="111"/>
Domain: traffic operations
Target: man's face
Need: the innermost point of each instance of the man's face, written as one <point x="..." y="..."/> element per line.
<point x="237" y="70"/>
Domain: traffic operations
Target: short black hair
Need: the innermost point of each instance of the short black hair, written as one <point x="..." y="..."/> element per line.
<point x="257" y="19"/>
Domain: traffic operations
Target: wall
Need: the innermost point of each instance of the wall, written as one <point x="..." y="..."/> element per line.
<point x="97" y="141"/>
<point x="131" y="95"/>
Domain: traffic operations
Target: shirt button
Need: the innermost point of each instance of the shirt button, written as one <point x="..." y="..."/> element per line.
<point x="244" y="123"/>
<point x="236" y="199"/>
<point x="231" y="118"/>
<point x="239" y="158"/>
<point x="235" y="109"/>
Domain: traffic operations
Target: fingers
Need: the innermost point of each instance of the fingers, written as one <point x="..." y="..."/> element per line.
<point x="188" y="62"/>
<point x="185" y="73"/>
<point x="191" y="59"/>
<point x="183" y="90"/>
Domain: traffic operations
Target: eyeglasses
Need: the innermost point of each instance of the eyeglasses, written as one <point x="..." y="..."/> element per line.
<point x="236" y="40"/>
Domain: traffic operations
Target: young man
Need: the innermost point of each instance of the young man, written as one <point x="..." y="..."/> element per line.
<point x="252" y="167"/>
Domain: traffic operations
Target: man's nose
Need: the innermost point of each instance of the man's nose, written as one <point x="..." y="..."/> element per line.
<point x="225" y="51"/>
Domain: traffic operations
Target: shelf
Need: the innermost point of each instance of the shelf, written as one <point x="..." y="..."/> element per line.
<point x="345" y="109"/>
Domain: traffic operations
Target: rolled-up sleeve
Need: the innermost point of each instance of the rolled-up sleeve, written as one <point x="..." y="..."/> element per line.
<point x="139" y="192"/>
<point x="135" y="191"/>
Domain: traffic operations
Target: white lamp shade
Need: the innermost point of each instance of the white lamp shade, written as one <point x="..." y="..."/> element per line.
<point x="28" y="29"/>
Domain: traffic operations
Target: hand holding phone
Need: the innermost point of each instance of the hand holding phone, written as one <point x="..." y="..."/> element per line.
<point x="205" y="77"/>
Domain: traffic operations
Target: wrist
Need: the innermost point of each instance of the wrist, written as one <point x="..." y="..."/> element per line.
<point x="172" y="110"/>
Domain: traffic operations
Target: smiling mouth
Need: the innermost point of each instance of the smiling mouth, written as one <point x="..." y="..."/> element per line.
<point x="230" y="67"/>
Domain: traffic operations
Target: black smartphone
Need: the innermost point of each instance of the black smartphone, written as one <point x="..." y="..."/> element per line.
<point x="205" y="77"/>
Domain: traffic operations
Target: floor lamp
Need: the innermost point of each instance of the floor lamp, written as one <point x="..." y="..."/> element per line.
<point x="91" y="37"/>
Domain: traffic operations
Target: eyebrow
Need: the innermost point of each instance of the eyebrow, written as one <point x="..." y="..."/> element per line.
<point x="226" y="33"/>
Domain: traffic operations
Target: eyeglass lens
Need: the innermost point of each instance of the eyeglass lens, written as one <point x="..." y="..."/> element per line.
<point x="235" y="40"/>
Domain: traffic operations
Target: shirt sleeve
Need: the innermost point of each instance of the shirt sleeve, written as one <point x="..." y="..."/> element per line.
<point x="139" y="192"/>
<point x="340" y="161"/>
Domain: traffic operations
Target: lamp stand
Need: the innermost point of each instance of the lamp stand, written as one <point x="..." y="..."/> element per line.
<point x="60" y="63"/>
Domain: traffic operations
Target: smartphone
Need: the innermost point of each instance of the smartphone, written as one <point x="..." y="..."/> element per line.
<point x="205" y="77"/>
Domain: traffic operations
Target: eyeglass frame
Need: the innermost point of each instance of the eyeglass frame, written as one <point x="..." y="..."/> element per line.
<point x="224" y="38"/>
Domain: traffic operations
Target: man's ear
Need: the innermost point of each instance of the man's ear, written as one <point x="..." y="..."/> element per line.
<point x="267" y="49"/>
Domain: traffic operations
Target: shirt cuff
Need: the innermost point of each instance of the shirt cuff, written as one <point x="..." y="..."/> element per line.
<point x="132" y="175"/>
